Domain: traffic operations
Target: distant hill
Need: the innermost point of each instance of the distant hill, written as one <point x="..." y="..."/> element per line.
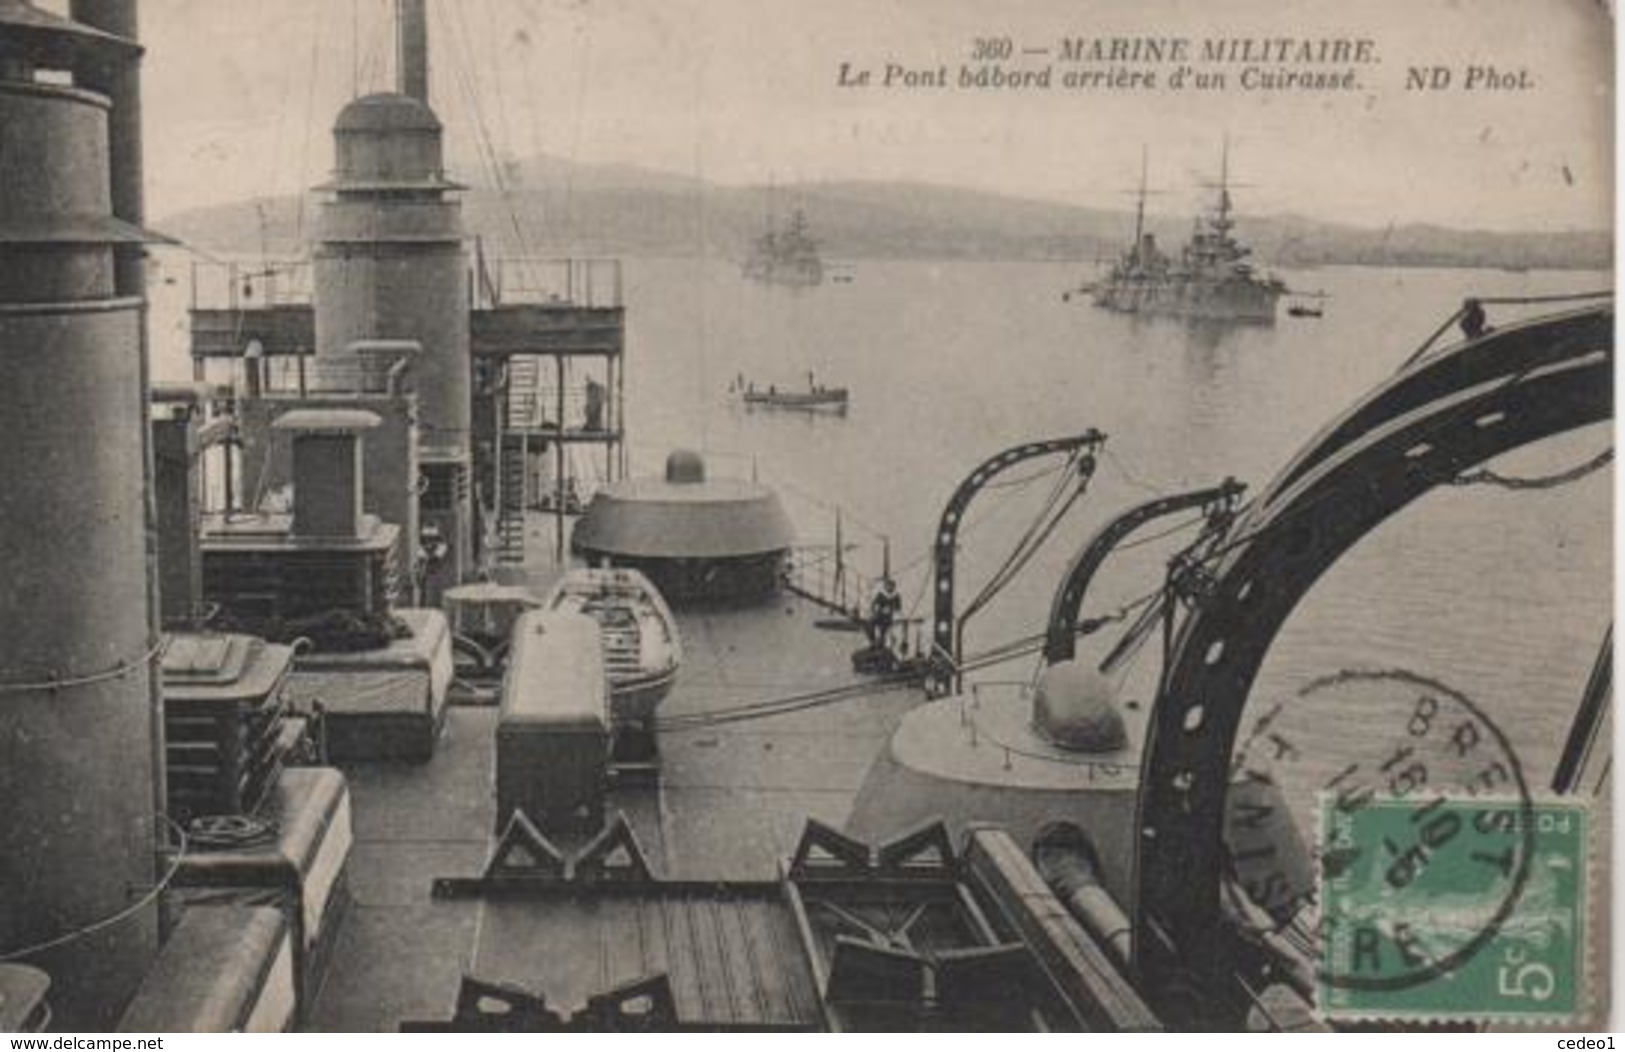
<point x="570" y="208"/>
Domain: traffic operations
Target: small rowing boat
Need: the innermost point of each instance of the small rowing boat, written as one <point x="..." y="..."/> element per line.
<point x="815" y="398"/>
<point x="641" y="648"/>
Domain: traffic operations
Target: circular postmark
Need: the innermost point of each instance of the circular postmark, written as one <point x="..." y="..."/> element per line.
<point x="1388" y="814"/>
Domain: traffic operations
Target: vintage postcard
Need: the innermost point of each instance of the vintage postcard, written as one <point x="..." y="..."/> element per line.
<point x="905" y="515"/>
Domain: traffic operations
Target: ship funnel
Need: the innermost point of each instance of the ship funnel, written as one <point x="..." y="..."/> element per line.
<point x="81" y="779"/>
<point x="327" y="467"/>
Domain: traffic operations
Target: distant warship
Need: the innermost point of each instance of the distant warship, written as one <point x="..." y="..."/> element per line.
<point x="1210" y="280"/>
<point x="786" y="257"/>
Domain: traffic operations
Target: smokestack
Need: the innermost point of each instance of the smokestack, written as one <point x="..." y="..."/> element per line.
<point x="78" y="689"/>
<point x="120" y="81"/>
<point x="327" y="470"/>
<point x="412" y="49"/>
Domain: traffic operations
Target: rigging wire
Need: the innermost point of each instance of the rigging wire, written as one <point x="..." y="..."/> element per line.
<point x="1023" y="480"/>
<point x="118" y="671"/>
<point x="485" y="151"/>
<point x="114" y="919"/>
<point x="1036" y="535"/>
<point x="1128" y="476"/>
<point x="278" y="131"/>
<point x="1032" y="644"/>
<point x="782" y="706"/>
<point x="846" y="513"/>
<point x="702" y="308"/>
<point x="988" y="515"/>
<point x="1497" y="301"/>
<point x="1185" y="561"/>
<point x="1483" y="476"/>
<point x="1014" y="568"/>
<point x="804" y="701"/>
<point x="355" y="48"/>
<point x="504" y="127"/>
<point x="372" y="59"/>
<point x="310" y="131"/>
<point x="532" y="35"/>
<point x="1044" y="512"/>
<point x="1140" y="542"/>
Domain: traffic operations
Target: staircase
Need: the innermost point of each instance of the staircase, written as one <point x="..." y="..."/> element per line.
<point x="524" y="407"/>
<point x="511" y="501"/>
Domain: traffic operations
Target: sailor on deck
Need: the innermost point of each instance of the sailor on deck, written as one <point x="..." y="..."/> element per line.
<point x="594" y="409"/>
<point x="883" y="610"/>
<point x="1472" y="319"/>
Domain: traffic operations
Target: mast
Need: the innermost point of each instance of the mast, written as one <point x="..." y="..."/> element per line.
<point x="412" y="48"/>
<point x="1221" y="222"/>
<point x="1139" y="208"/>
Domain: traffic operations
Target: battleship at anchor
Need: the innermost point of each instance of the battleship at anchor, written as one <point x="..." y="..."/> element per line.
<point x="786" y="257"/>
<point x="1211" y="279"/>
<point x="308" y="728"/>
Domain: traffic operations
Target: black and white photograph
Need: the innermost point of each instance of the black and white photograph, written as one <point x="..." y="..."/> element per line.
<point x="532" y="516"/>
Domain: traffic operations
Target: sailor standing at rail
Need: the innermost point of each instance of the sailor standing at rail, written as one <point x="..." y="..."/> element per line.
<point x="1473" y="323"/>
<point x="883" y="610"/>
<point x="594" y="410"/>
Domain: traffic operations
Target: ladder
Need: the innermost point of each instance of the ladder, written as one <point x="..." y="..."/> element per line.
<point x="511" y="501"/>
<point x="524" y="403"/>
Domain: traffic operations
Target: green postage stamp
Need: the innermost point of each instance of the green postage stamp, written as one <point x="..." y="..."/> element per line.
<point x="1454" y="909"/>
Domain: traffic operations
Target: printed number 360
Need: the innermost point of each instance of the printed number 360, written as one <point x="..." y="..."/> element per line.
<point x="1517" y="978"/>
<point x="991" y="49"/>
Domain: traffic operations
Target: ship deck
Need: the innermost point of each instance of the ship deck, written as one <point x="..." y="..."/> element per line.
<point x="731" y="804"/>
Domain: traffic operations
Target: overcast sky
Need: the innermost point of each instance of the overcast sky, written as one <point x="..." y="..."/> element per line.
<point x="240" y="96"/>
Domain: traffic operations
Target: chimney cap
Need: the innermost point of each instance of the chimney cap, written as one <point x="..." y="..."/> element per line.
<point x="55" y="42"/>
<point x="384" y="112"/>
<point x="326" y="421"/>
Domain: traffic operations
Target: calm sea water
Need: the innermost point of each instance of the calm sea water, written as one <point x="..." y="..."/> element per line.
<point x="1502" y="595"/>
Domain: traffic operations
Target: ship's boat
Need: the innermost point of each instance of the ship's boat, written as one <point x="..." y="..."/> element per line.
<point x="1211" y="279"/>
<point x="786" y="257"/>
<point x="814" y="398"/>
<point x="641" y="648"/>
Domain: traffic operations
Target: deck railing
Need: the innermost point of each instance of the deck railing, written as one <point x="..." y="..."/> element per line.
<point x="248" y="285"/>
<point x="561" y="281"/>
<point x="564" y="282"/>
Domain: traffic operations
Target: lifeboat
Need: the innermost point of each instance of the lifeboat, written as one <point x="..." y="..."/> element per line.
<point x="640" y="642"/>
